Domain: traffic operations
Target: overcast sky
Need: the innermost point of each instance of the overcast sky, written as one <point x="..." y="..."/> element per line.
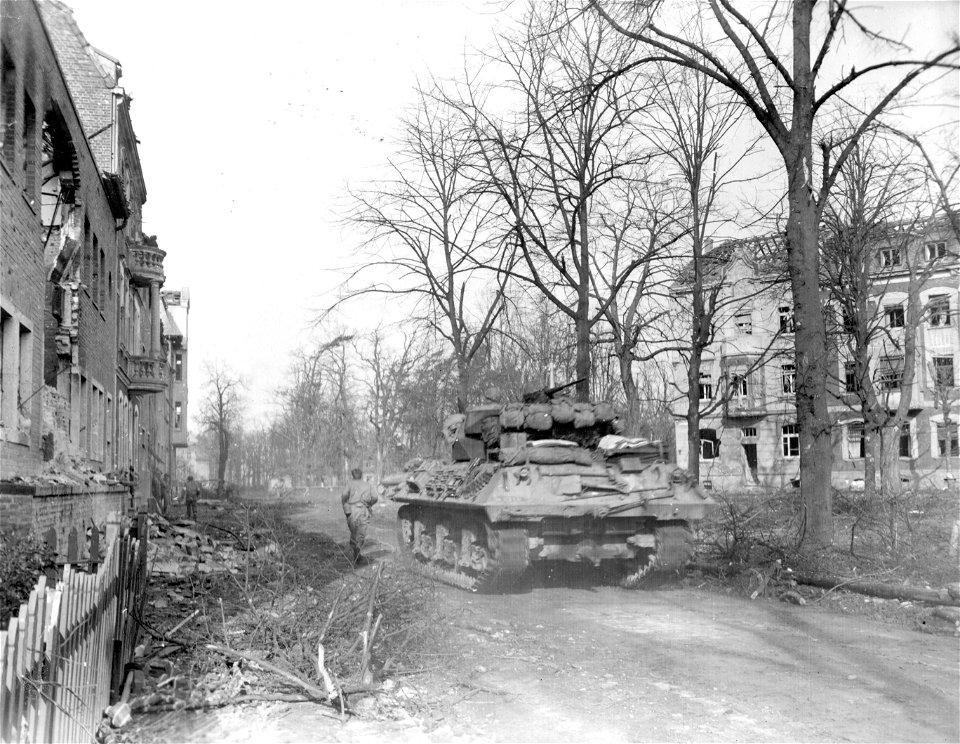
<point x="253" y="118"/>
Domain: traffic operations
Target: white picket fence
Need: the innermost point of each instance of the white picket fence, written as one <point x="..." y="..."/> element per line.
<point x="66" y="649"/>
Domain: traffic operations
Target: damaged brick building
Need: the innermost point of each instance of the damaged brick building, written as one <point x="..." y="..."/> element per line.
<point x="86" y="364"/>
<point x="748" y="427"/>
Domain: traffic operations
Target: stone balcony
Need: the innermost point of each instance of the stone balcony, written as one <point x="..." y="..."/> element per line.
<point x="147" y="374"/>
<point x="146" y="263"/>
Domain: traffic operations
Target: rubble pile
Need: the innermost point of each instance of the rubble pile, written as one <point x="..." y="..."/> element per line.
<point x="177" y="549"/>
<point x="246" y="609"/>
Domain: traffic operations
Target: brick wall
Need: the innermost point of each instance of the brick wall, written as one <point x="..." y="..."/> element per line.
<point x="62" y="514"/>
<point x="37" y="75"/>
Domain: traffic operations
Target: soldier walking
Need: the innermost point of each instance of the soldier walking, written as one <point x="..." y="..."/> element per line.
<point x="358" y="497"/>
<point x="191" y="493"/>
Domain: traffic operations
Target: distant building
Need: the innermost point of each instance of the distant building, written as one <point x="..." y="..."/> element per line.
<point x="750" y="436"/>
<point x="176" y="304"/>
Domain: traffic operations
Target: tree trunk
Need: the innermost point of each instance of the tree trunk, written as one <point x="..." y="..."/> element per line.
<point x="869" y="462"/>
<point x="693" y="411"/>
<point x="803" y="260"/>
<point x="583" y="308"/>
<point x="630" y="393"/>
<point x="222" y="460"/>
<point x="463" y="383"/>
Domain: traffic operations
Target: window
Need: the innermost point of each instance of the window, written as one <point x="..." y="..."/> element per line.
<point x="95" y="255"/>
<point x="938" y="308"/>
<point x="906" y="449"/>
<point x="178" y="370"/>
<point x="738" y="385"/>
<point x="894" y="315"/>
<point x="856" y="442"/>
<point x="850" y="323"/>
<point x="890" y="372"/>
<point x="16" y="372"/>
<point x="29" y="150"/>
<point x="177" y="414"/>
<point x="787" y="324"/>
<point x="936" y="250"/>
<point x="851" y="377"/>
<point x="101" y="283"/>
<point x="943" y="371"/>
<point x="890" y="257"/>
<point x="87" y="268"/>
<point x="709" y="444"/>
<point x="749" y="432"/>
<point x="788" y="377"/>
<point x="8" y="89"/>
<point x="790" y="440"/>
<point x="947" y="442"/>
<point x="744" y="323"/>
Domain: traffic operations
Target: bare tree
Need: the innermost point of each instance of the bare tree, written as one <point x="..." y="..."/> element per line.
<point x="571" y="137"/>
<point x="220" y="412"/>
<point x="644" y="219"/>
<point x="433" y="228"/>
<point x="875" y="267"/>
<point x="388" y="377"/>
<point x="782" y="87"/>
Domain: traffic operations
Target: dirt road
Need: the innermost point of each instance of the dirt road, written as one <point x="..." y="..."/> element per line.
<point x="580" y="662"/>
<point x="590" y="663"/>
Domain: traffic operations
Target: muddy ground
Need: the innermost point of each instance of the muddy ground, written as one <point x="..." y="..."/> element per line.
<point x="571" y="660"/>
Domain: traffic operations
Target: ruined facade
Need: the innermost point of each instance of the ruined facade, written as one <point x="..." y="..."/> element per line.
<point x="85" y="366"/>
<point x="748" y="432"/>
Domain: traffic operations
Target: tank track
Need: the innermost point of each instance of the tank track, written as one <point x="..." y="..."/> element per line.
<point x="674" y="549"/>
<point x="461" y="549"/>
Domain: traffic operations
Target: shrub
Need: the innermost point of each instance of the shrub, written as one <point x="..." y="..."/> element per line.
<point x="23" y="557"/>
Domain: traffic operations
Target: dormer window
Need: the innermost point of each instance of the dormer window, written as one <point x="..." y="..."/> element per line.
<point x="890" y="257"/>
<point x="894" y="313"/>
<point x="936" y="250"/>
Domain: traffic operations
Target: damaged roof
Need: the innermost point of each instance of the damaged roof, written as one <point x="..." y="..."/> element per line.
<point x="764" y="254"/>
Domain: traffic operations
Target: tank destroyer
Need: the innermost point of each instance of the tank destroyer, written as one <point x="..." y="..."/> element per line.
<point x="546" y="479"/>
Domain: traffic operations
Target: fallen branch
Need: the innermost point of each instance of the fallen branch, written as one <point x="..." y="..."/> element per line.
<point x="175" y="628"/>
<point x="317" y="692"/>
<point x="884" y="591"/>
<point x="239" y="700"/>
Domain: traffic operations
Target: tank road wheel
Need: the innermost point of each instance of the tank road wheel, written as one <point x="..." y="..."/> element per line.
<point x="674" y="548"/>
<point x="448" y="546"/>
<point x="405" y="517"/>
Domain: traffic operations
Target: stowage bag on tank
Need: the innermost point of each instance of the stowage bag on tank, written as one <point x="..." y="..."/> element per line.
<point x="512" y="416"/>
<point x="538" y="417"/>
<point x="548" y="456"/>
<point x="562" y="411"/>
<point x="604" y="411"/>
<point x="583" y="415"/>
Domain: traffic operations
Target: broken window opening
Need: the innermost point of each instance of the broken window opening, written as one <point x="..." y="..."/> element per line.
<point x="851" y="377"/>
<point x="856" y="442"/>
<point x="706" y="386"/>
<point x="895" y="317"/>
<point x="709" y="444"/>
<point x="890" y="257"/>
<point x="948" y="443"/>
<point x="936" y="250"/>
<point x="943" y="371"/>
<point x="788" y="378"/>
<point x="938" y="308"/>
<point x="890" y="372"/>
<point x="787" y="323"/>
